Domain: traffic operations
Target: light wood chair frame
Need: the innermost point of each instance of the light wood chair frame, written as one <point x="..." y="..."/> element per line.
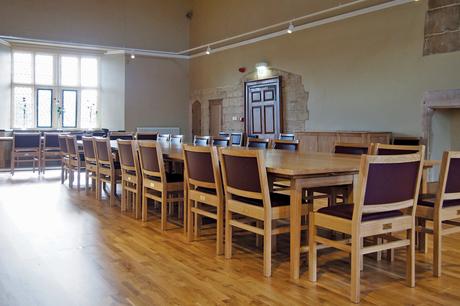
<point x="221" y="138"/>
<point x="175" y="189"/>
<point x="180" y="137"/>
<point x="146" y="134"/>
<point x="75" y="164"/>
<point x="91" y="166"/>
<point x="199" y="203"/>
<point x="207" y="138"/>
<point x="107" y="173"/>
<point x="265" y="216"/>
<point x="294" y="142"/>
<point x="359" y="230"/>
<point x="29" y="154"/>
<point x="259" y="140"/>
<point x="377" y="146"/>
<point x="440" y="215"/>
<point x="164" y="137"/>
<point x="131" y="180"/>
<point x="65" y="159"/>
<point x="49" y="153"/>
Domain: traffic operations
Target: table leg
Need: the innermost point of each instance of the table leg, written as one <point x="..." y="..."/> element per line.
<point x="295" y="227"/>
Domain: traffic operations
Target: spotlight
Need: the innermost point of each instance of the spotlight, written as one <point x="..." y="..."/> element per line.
<point x="290" y="28"/>
<point x="208" y="50"/>
<point x="133" y="56"/>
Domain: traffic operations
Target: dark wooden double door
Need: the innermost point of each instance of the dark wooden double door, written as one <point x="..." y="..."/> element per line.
<point x="263" y="108"/>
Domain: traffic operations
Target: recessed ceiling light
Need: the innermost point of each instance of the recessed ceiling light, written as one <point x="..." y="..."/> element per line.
<point x="290" y="28"/>
<point x="208" y="50"/>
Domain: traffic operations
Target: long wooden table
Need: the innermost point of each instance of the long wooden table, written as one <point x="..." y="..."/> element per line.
<point x="303" y="170"/>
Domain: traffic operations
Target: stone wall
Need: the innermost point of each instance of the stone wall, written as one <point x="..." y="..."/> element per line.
<point x="442" y="27"/>
<point x="294" y="101"/>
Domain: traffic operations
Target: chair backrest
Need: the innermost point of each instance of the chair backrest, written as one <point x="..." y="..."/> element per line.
<point x="258" y="143"/>
<point x="121" y="135"/>
<point x="352" y="148"/>
<point x="289" y="145"/>
<point x="72" y="146"/>
<point x="387" y="149"/>
<point x="30" y="141"/>
<point x="244" y="174"/>
<point x="449" y="179"/>
<point x="201" y="165"/>
<point x="202" y="140"/>
<point x="104" y="152"/>
<point x="224" y="134"/>
<point x="151" y="159"/>
<point x="176" y="139"/>
<point x="389" y="183"/>
<point x="88" y="149"/>
<point x="62" y="138"/>
<point x="221" y="141"/>
<point x="98" y="134"/>
<point x="51" y="140"/>
<point x="286" y="136"/>
<point x="236" y="139"/>
<point x="128" y="155"/>
<point x="147" y="135"/>
<point x="163" y="137"/>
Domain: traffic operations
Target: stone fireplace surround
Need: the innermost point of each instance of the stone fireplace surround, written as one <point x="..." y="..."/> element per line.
<point x="432" y="100"/>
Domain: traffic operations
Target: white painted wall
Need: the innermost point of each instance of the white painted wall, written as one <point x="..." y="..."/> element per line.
<point x="5" y="87"/>
<point x="112" y="107"/>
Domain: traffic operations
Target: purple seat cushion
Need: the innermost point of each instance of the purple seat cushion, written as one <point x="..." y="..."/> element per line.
<point x="447" y="203"/>
<point x="277" y="199"/>
<point x="345" y="211"/>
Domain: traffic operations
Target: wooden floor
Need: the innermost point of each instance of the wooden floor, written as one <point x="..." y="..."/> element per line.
<point x="61" y="247"/>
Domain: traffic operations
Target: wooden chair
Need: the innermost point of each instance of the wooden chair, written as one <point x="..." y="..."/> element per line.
<point x="26" y="149"/>
<point x="165" y="188"/>
<point x="388" y="149"/>
<point x="202" y="140"/>
<point x="91" y="169"/>
<point x="121" y="135"/>
<point x="247" y="194"/>
<point x="289" y="145"/>
<point x="286" y="137"/>
<point x="62" y="138"/>
<point x="176" y="139"/>
<point x="131" y="178"/>
<point x="385" y="203"/>
<point x="204" y="190"/>
<point x="147" y="135"/>
<point x="224" y="134"/>
<point x="163" y="137"/>
<point x="339" y="192"/>
<point x="236" y="139"/>
<point x="442" y="208"/>
<point x="51" y="150"/>
<point x="258" y="143"/>
<point x="109" y="171"/>
<point x="221" y="141"/>
<point x="76" y="160"/>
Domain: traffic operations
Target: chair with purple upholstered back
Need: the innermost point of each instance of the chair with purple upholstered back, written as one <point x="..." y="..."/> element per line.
<point x="288" y="145"/>
<point x="388" y="149"/>
<point x="51" y="149"/>
<point x="76" y="161"/>
<point x="386" y="202"/>
<point x="108" y="170"/>
<point x="261" y="143"/>
<point x="158" y="185"/>
<point x="204" y="190"/>
<point x="26" y="149"/>
<point x="131" y="178"/>
<point x="441" y="208"/>
<point x="247" y="194"/>
<point x="89" y="151"/>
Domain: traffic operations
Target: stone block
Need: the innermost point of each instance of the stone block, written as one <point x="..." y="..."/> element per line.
<point x="442" y="20"/>
<point x="432" y="4"/>
<point x="442" y="43"/>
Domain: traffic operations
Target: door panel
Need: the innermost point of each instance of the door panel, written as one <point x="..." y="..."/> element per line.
<point x="263" y="108"/>
<point x="196" y="118"/>
<point x="256" y="120"/>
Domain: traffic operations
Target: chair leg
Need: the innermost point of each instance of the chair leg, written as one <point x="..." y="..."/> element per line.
<point x="356" y="258"/>
<point x="86" y="181"/>
<point x="144" y="206"/>
<point x="267" y="248"/>
<point x="113" y="190"/>
<point x="312" y="254"/>
<point x="98" y="189"/>
<point x="220" y="231"/>
<point x="13" y="158"/>
<point x="190" y="218"/>
<point x="274" y="238"/>
<point x="164" y="210"/>
<point x="138" y="199"/>
<point x="410" y="260"/>
<point x="78" y="178"/>
<point x="437" y="247"/>
<point x="228" y="234"/>
<point x="259" y="224"/>
<point x="62" y="174"/>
